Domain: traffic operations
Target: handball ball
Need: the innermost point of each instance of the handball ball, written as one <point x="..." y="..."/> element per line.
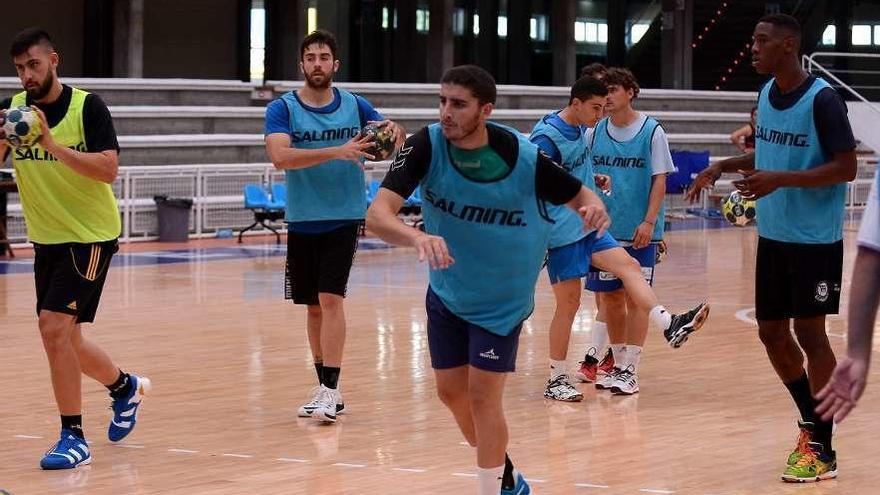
<point x="22" y="127"/>
<point x="383" y="141"/>
<point x="737" y="210"/>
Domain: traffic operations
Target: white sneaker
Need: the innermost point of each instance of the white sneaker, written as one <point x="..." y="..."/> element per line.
<point x="328" y="402"/>
<point x="604" y="382"/>
<point x="626" y="382"/>
<point x="560" y="388"/>
<point x="305" y="410"/>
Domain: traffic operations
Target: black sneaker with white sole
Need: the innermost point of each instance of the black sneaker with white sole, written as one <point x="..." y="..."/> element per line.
<point x="685" y="324"/>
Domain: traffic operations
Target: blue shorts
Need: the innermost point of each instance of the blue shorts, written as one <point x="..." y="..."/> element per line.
<point x="454" y="342"/>
<point x="573" y="260"/>
<point x="600" y="281"/>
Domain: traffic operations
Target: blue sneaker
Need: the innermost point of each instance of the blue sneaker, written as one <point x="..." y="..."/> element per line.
<point x="519" y="488"/>
<point x="70" y="451"/>
<point x="125" y="409"/>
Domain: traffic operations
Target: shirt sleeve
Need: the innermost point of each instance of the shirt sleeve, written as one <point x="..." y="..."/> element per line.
<point x="5" y="104"/>
<point x="277" y="118"/>
<point x="661" y="158"/>
<point x="832" y="122"/>
<point x="98" y="126"/>
<point x="553" y="183"/>
<point x="366" y="111"/>
<point x="545" y="144"/>
<point x="410" y="165"/>
<point x="869" y="231"/>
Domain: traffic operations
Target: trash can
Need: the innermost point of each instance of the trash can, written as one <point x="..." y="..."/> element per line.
<point x="173" y="215"/>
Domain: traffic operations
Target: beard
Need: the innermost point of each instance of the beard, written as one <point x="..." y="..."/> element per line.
<point x="320" y="82"/>
<point x="43" y="89"/>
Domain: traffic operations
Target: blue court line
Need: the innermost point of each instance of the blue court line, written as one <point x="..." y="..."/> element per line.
<point x="190" y="255"/>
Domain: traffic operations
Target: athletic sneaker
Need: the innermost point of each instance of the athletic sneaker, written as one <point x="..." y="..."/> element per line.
<point x="589" y="367"/>
<point x="605" y="382"/>
<point x="125" y="409"/>
<point x="804" y="437"/>
<point x="560" y="388"/>
<point x="607" y="363"/>
<point x="813" y="465"/>
<point x="626" y="382"/>
<point x="305" y="410"/>
<point x="519" y="488"/>
<point x="685" y="324"/>
<point x="70" y="451"/>
<point x="327" y="403"/>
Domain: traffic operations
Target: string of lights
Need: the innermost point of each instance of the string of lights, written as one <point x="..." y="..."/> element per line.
<point x="735" y="64"/>
<point x="712" y="23"/>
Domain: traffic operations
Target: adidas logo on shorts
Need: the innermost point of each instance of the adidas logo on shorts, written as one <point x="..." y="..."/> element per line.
<point x="490" y="354"/>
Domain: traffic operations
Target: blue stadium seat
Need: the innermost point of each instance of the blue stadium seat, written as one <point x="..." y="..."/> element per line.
<point x="279" y="195"/>
<point x="265" y="209"/>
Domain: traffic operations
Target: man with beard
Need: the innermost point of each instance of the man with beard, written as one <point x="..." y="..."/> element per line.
<point x="72" y="219"/>
<point x="313" y="135"/>
<point x="804" y="155"/>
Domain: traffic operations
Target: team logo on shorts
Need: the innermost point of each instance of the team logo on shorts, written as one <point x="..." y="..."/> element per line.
<point x="490" y="354"/>
<point x="822" y="291"/>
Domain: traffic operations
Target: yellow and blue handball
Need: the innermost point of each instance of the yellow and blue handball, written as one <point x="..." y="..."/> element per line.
<point x="382" y="138"/>
<point x="738" y="210"/>
<point x="21" y="126"/>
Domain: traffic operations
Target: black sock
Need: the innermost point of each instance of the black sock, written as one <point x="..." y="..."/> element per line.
<point x="74" y="424"/>
<point x="803" y="397"/>
<point x="507" y="481"/>
<point x="121" y="387"/>
<point x="822" y="434"/>
<point x="319" y="369"/>
<point x="330" y="377"/>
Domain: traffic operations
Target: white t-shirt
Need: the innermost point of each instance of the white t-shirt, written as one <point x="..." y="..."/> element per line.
<point x="869" y="232"/>
<point x="661" y="159"/>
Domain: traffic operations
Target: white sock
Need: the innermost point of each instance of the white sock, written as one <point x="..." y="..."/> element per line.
<point x="633" y="355"/>
<point x="557" y="368"/>
<point x="600" y="338"/>
<point x="660" y="318"/>
<point x="619" y="353"/>
<point x="489" y="480"/>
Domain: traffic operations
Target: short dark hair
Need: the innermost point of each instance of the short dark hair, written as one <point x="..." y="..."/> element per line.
<point x="595" y="70"/>
<point x="618" y="76"/>
<point x="24" y="40"/>
<point x="784" y="21"/>
<point x="475" y="78"/>
<point x="318" y="37"/>
<point x="586" y="88"/>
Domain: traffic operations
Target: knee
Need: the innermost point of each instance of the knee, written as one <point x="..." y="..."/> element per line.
<point x="330" y="303"/>
<point x="450" y="395"/>
<point x="614" y="301"/>
<point x="314" y="310"/>
<point x="567" y="306"/>
<point x="482" y="402"/>
<point x="774" y="337"/>
<point x="815" y="344"/>
<point x="55" y="333"/>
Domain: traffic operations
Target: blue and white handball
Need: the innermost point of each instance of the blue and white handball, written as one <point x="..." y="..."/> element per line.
<point x="21" y="126"/>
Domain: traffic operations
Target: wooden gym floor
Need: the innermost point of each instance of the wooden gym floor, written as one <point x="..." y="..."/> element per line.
<point x="230" y="364"/>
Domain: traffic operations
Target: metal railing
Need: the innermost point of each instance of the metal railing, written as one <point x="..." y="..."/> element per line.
<point x="808" y="62"/>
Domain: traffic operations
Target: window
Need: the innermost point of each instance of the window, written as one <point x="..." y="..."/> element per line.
<point x="538" y="27"/>
<point x="423" y="20"/>
<point x="861" y="35"/>
<point x="258" y="43"/>
<point x="502" y="26"/>
<point x="476" y="24"/>
<point x="877" y="34"/>
<point x="590" y="31"/>
<point x="829" y="36"/>
<point x="384" y="17"/>
<point x="312" y="19"/>
<point x="458" y="21"/>
<point x="636" y="31"/>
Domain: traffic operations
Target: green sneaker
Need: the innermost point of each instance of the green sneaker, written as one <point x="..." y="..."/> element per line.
<point x="814" y="465"/>
<point x="804" y="437"/>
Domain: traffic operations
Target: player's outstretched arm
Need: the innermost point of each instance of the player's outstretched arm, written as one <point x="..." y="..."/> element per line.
<point x="102" y="166"/>
<point x="591" y="208"/>
<point x="710" y="174"/>
<point x="286" y="158"/>
<point x="382" y="220"/>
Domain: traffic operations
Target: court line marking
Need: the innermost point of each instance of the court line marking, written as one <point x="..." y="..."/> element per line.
<point x="410" y="470"/>
<point x="589" y="485"/>
<point x="28" y="437"/>
<point x="291" y="459"/>
<point x="655" y="490"/>
<point x="349" y="465"/>
<point x="184" y="451"/>
<point x="128" y="446"/>
<point x="465" y="475"/>
<point x="239" y="456"/>
<point x="535" y="480"/>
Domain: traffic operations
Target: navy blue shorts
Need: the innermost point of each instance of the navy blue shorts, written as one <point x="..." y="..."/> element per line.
<point x="601" y="281"/>
<point x="453" y="342"/>
<point x="573" y="260"/>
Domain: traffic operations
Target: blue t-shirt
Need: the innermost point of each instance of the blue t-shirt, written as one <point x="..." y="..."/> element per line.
<point x="278" y="121"/>
<point x="547" y="145"/>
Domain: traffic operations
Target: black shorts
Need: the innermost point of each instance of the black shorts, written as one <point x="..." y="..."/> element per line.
<point x="319" y="263"/>
<point x="797" y="280"/>
<point x="70" y="277"/>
